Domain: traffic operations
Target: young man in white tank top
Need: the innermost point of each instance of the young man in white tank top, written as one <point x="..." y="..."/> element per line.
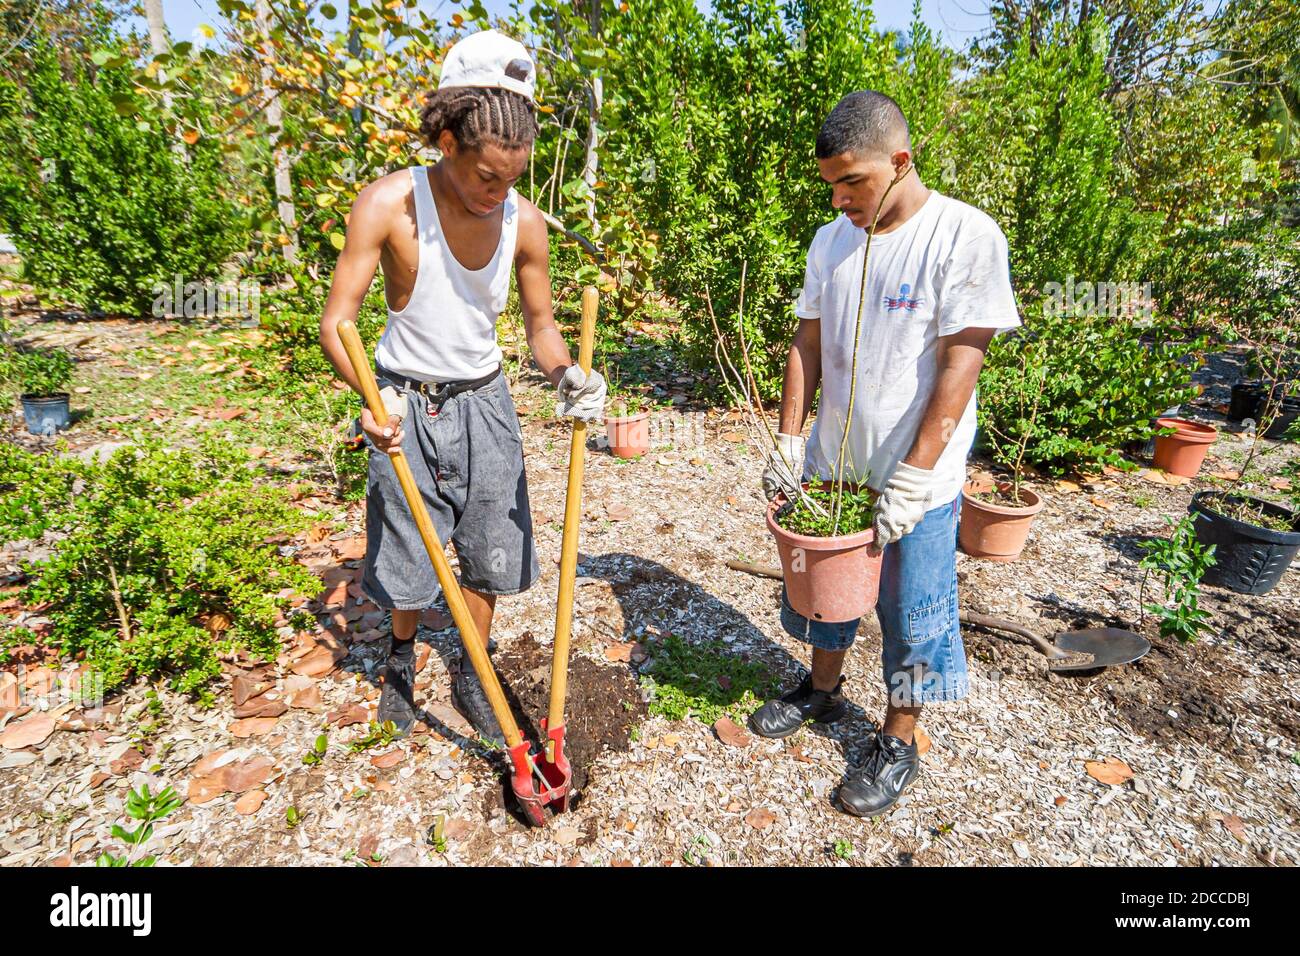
<point x="447" y="238"/>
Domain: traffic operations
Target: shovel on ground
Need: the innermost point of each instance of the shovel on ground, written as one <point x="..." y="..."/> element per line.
<point x="524" y="767"/>
<point x="1073" y="650"/>
<point x="555" y="767"/>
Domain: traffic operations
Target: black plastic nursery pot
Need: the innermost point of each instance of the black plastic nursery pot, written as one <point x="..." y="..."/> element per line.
<point x="1247" y="402"/>
<point x="46" y="414"/>
<point x="1248" y="559"/>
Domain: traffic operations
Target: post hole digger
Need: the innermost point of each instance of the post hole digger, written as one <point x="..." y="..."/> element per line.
<point x="537" y="780"/>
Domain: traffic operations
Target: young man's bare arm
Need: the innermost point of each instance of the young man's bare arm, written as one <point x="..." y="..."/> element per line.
<point x="532" y="269"/>
<point x="803" y="373"/>
<point x="961" y="356"/>
<point x="368" y="227"/>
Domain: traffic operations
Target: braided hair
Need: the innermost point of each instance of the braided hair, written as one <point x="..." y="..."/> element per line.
<point x="479" y="115"/>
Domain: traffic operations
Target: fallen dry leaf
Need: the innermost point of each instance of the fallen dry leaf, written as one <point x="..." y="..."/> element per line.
<point x="618" y="512"/>
<point x="27" y="732"/>
<point x="1102" y="503"/>
<point x="1068" y="486"/>
<point x="733" y="437"/>
<point x="1235" y="825"/>
<point x="760" y="818"/>
<point x="1112" y="771"/>
<point x="387" y="761"/>
<point x="250" y="802"/>
<point x="620" y="653"/>
<point x="730" y="733"/>
<point x="351" y="549"/>
<point x="252" y="726"/>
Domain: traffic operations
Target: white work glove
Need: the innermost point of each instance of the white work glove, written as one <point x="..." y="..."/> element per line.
<point x="903" y="503"/>
<point x="784" y="470"/>
<point x="581" y="394"/>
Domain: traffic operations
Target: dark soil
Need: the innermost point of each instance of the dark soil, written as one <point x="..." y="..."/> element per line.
<point x="1199" y="683"/>
<point x="603" y="705"/>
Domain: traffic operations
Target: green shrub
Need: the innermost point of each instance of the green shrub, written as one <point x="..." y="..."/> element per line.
<point x="1036" y="145"/>
<point x="1103" y="380"/>
<point x="43" y="373"/>
<point x="98" y="202"/>
<point x="161" y="563"/>
<point x="714" y="117"/>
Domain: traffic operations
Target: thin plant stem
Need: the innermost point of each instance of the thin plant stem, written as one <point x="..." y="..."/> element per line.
<point x="837" y="493"/>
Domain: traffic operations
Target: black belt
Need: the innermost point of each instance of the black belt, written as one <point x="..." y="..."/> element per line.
<point x="437" y="393"/>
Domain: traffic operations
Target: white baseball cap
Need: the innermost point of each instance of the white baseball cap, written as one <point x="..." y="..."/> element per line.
<point x="489" y="58"/>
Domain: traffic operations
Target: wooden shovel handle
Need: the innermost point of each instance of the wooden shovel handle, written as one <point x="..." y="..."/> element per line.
<point x="1001" y="624"/>
<point x="569" y="540"/>
<point x="469" y="635"/>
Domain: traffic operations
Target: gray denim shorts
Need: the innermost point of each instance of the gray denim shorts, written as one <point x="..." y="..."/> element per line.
<point x="468" y="462"/>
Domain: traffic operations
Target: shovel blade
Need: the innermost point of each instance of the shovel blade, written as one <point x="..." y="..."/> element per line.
<point x="1107" y="645"/>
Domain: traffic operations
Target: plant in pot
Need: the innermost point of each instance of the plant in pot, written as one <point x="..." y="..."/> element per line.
<point x="995" y="520"/>
<point x="1255" y="539"/>
<point x="823" y="528"/>
<point x="628" y="428"/>
<point x="43" y="377"/>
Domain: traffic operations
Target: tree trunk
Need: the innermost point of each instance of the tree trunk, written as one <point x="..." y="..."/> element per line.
<point x="594" y="103"/>
<point x="160" y="42"/>
<point x="279" y="155"/>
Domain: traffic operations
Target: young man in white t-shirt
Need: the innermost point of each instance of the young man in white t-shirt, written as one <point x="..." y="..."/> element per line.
<point x="938" y="289"/>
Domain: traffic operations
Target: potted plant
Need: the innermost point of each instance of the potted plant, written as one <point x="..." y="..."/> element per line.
<point x="996" y="517"/>
<point x="1181" y="446"/>
<point x="42" y="377"/>
<point x="628" y="429"/>
<point x="1255" y="540"/>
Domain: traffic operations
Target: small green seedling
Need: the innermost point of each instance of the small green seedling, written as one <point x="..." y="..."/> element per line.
<point x="843" y="849"/>
<point x="317" y="752"/>
<point x="148" y="808"/>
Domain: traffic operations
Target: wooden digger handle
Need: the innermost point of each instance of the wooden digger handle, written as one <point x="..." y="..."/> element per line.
<point x="450" y="586"/>
<point x="569" y="540"/>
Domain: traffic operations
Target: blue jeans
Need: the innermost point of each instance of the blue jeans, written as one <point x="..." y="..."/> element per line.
<point x="921" y="649"/>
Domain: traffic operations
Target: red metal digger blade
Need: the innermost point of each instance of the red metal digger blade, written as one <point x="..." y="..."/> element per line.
<point x="521" y="781"/>
<point x="558" y="774"/>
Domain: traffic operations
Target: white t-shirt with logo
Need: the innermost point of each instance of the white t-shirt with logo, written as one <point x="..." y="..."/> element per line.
<point x="943" y="270"/>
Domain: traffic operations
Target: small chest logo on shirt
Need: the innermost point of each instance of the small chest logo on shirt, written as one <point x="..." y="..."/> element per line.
<point x="904" y="300"/>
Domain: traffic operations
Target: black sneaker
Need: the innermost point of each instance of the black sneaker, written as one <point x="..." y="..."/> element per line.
<point x="785" y="715"/>
<point x="874" y="787"/>
<point x="468" y="697"/>
<point x="397" y="701"/>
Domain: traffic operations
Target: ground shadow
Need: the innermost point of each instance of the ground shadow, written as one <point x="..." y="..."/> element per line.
<point x="652" y="595"/>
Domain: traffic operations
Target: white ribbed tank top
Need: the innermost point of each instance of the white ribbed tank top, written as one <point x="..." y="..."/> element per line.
<point x="448" y="330"/>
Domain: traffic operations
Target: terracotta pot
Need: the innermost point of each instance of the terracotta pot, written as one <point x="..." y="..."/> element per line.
<point x="995" y="532"/>
<point x="827" y="579"/>
<point x="1183" y="452"/>
<point x="629" y="435"/>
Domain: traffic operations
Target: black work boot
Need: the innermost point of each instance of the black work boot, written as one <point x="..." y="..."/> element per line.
<point x="785" y="715"/>
<point x="874" y="787"/>
<point x="468" y="697"/>
<point x="397" y="701"/>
